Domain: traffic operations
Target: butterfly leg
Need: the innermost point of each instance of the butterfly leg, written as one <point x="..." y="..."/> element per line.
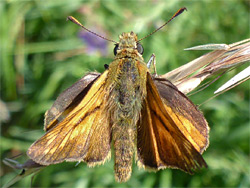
<point x="151" y="64"/>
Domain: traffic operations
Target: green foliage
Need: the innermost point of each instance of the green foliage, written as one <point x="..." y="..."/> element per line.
<point x="42" y="54"/>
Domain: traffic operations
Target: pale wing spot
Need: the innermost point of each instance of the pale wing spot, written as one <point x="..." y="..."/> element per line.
<point x="46" y="150"/>
<point x="76" y="133"/>
<point x="49" y="141"/>
<point x="49" y="150"/>
<point x="64" y="141"/>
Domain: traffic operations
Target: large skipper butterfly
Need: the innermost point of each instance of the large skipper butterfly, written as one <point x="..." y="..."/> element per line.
<point x="143" y="116"/>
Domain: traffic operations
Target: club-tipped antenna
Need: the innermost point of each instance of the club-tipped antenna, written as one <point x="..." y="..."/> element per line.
<point x="71" y="18"/>
<point x="175" y="15"/>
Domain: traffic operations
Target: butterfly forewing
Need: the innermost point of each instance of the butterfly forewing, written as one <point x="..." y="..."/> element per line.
<point x="81" y="135"/>
<point x="184" y="113"/>
<point x="160" y="143"/>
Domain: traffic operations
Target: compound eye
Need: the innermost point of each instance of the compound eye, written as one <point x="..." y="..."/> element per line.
<point x="139" y="48"/>
<point x="116" y="48"/>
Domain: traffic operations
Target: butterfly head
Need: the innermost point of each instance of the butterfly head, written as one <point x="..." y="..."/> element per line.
<point x="128" y="42"/>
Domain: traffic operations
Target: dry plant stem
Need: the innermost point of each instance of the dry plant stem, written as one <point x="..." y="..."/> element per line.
<point x="189" y="76"/>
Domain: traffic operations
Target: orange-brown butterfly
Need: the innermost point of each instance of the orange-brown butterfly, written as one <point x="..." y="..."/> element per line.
<point x="142" y="116"/>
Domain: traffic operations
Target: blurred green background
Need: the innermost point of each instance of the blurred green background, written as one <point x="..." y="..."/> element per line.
<point x="42" y="54"/>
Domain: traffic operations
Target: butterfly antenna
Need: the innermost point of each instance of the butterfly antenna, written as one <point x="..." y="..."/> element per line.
<point x="175" y="15"/>
<point x="71" y="18"/>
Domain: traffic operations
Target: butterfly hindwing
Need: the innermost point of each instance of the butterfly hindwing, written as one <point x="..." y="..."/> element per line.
<point x="163" y="144"/>
<point x="84" y="135"/>
<point x="68" y="99"/>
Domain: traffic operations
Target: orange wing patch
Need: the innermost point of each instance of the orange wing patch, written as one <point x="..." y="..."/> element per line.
<point x="164" y="145"/>
<point x="73" y="139"/>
